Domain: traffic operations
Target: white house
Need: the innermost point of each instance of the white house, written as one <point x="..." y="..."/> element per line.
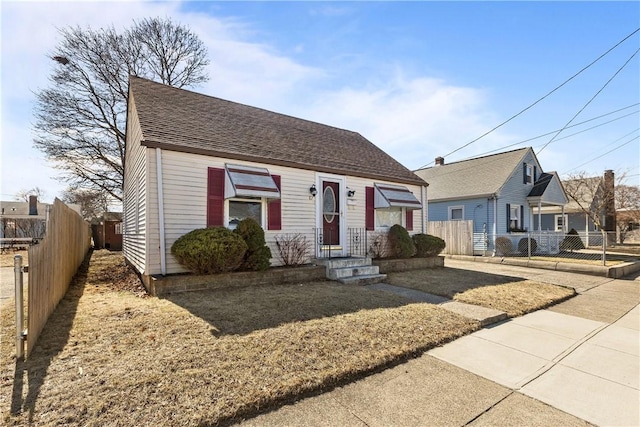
<point x="195" y="161"/>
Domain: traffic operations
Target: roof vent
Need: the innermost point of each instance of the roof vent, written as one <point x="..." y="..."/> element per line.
<point x="439" y="161"/>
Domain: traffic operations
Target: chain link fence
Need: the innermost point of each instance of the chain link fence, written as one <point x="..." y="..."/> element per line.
<point x="587" y="248"/>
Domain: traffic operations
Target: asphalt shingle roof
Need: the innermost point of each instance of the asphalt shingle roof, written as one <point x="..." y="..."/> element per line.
<point x="181" y="120"/>
<point x="481" y="176"/>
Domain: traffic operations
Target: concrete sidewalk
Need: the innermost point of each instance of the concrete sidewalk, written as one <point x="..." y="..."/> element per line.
<point x="573" y="364"/>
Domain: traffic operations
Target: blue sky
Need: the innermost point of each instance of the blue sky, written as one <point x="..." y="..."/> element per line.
<point x="418" y="79"/>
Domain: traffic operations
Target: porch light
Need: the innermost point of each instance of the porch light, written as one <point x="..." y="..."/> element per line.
<point x="313" y="191"/>
<point x="350" y="192"/>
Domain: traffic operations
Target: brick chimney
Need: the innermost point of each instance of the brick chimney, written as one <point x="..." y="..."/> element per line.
<point x="610" y="201"/>
<point x="439" y="161"/>
<point x="33" y="205"/>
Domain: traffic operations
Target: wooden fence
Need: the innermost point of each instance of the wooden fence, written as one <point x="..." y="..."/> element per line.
<point x="52" y="265"/>
<point x="458" y="235"/>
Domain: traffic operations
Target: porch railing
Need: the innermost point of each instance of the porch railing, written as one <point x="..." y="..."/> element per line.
<point x="356" y="243"/>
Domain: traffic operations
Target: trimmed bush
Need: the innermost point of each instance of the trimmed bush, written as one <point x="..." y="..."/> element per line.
<point x="572" y="242"/>
<point x="503" y="246"/>
<point x="427" y="245"/>
<point x="523" y="245"/>
<point x="210" y="250"/>
<point x="258" y="255"/>
<point x="400" y="243"/>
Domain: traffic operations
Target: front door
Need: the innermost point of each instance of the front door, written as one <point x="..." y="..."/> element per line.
<point x="330" y="213"/>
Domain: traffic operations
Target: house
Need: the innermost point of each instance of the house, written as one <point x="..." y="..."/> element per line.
<point x="23" y="220"/>
<point x="589" y="197"/>
<point x="107" y="231"/>
<point x="196" y="161"/>
<point x="22" y="223"/>
<point x="501" y="193"/>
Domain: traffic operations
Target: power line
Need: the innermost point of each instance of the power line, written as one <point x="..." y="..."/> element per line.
<point x="610" y="151"/>
<point x="590" y="100"/>
<point x="571" y="126"/>
<point x="536" y="102"/>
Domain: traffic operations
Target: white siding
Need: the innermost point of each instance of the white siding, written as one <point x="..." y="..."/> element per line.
<point x="185" y="199"/>
<point x="135" y="195"/>
<point x="185" y="202"/>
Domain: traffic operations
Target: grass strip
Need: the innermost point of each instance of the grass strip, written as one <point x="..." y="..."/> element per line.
<point x="516" y="298"/>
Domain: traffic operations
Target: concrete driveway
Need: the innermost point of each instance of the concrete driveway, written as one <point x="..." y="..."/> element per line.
<point x="574" y="364"/>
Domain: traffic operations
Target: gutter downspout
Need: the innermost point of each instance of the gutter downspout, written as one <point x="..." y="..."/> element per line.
<point x="495" y="221"/>
<point x="425" y="209"/>
<point x="163" y="261"/>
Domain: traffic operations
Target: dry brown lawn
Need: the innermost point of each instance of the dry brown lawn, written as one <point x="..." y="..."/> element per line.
<point x="111" y="356"/>
<point x="446" y="281"/>
<point x="7" y="258"/>
<point x="515" y="296"/>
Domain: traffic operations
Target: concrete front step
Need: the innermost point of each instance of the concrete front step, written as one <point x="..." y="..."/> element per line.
<point x="368" y="279"/>
<point x="343" y="272"/>
<point x="343" y="262"/>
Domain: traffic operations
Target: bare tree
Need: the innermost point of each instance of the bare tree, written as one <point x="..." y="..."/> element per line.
<point x="35" y="191"/>
<point x="627" y="209"/>
<point x="595" y="196"/>
<point x="93" y="204"/>
<point x="80" y="117"/>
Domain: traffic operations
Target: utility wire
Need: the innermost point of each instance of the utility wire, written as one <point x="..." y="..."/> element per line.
<point x="571" y="126"/>
<point x="536" y="102"/>
<point x="610" y="151"/>
<point x="590" y="100"/>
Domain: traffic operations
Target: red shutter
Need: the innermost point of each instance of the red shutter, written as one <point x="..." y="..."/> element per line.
<point x="370" y="212"/>
<point x="274" y="209"/>
<point x="409" y="220"/>
<point x="215" y="197"/>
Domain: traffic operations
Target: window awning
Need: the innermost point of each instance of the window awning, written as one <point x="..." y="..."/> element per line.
<point x="388" y="195"/>
<point x="248" y="181"/>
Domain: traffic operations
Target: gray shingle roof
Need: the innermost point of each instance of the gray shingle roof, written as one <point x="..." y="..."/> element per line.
<point x="481" y="176"/>
<point x="180" y="120"/>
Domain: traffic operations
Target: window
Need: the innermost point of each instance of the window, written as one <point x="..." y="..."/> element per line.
<point x="385" y="218"/>
<point x="514" y="218"/>
<point x="118" y="229"/>
<point x="560" y="222"/>
<point x="456" y="213"/>
<point x="529" y="174"/>
<point x="255" y="193"/>
<point x="240" y="209"/>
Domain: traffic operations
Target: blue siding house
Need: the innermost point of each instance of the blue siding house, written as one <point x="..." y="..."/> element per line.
<point x="501" y="193"/>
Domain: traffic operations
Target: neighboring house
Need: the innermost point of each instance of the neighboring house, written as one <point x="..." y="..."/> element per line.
<point x="107" y="231"/>
<point x="590" y="194"/>
<point x="500" y="193"/>
<point x="196" y="161"/>
<point x="23" y="219"/>
<point x="628" y="225"/>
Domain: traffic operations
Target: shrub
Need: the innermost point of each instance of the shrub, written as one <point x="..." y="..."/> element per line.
<point x="258" y="255"/>
<point x="523" y="245"/>
<point x="400" y="243"/>
<point x="293" y="249"/>
<point x="503" y="246"/>
<point x="379" y="247"/>
<point x="210" y="250"/>
<point x="572" y="242"/>
<point x="428" y="245"/>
